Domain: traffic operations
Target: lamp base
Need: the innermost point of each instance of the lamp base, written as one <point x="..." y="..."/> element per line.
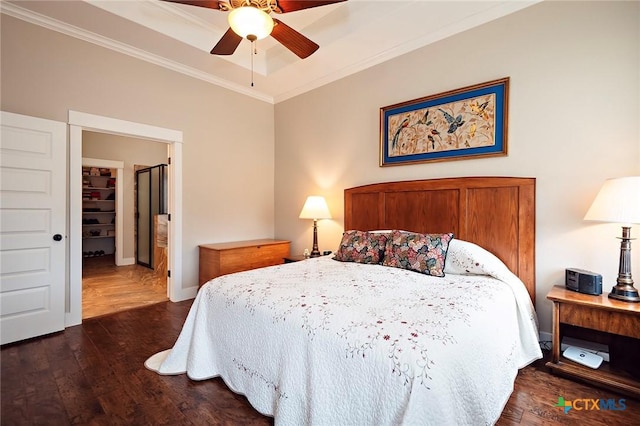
<point x="315" y="252"/>
<point x="624" y="289"/>
<point x="625" y="292"/>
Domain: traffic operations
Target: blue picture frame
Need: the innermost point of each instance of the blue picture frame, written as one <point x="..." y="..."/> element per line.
<point x="465" y="123"/>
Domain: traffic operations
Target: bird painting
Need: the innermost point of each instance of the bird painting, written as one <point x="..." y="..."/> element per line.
<point x="432" y="140"/>
<point x="479" y="109"/>
<point x="396" y="136"/>
<point x="454" y="123"/>
<point x="460" y="123"/>
<point x="425" y="119"/>
<point x="472" y="130"/>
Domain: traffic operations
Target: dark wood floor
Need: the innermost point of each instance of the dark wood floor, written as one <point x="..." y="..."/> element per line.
<point x="94" y="374"/>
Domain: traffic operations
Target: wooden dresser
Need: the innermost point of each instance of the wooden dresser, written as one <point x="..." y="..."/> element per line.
<point x="226" y="258"/>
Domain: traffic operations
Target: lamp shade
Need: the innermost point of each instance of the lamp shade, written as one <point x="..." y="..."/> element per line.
<point x="618" y="201"/>
<point x="250" y="21"/>
<point x="315" y="208"/>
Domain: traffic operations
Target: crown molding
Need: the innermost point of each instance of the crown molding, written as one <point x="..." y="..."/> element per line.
<point x="501" y="8"/>
<point x="35" y="18"/>
<point x="172" y="9"/>
<point x="498" y="11"/>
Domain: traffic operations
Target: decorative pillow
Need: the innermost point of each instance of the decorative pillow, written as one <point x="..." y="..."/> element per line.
<point x="424" y="253"/>
<point x="361" y="247"/>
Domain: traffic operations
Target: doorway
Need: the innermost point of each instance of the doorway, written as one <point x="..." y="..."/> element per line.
<point x="79" y="122"/>
<point x="111" y="282"/>
<point x="151" y="207"/>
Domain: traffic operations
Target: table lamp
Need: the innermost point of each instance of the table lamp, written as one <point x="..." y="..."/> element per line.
<point x="315" y="208"/>
<point x="619" y="201"/>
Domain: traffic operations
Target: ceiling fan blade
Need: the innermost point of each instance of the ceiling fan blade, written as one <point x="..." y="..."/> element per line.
<point x="227" y="44"/>
<point x="285" y="6"/>
<point x="209" y="4"/>
<point x="293" y="40"/>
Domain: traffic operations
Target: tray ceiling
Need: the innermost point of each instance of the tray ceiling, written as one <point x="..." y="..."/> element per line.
<point x="352" y="35"/>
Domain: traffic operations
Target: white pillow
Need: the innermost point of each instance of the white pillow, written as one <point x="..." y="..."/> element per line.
<point x="466" y="258"/>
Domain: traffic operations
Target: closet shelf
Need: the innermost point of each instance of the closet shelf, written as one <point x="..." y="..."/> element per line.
<point x="98" y="206"/>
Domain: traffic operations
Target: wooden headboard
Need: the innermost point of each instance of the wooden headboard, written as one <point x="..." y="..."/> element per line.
<point x="497" y="213"/>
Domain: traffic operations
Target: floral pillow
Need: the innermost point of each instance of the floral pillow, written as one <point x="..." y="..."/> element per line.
<point x="361" y="247"/>
<point x="424" y="253"/>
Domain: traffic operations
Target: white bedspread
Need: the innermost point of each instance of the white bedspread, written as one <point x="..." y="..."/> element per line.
<point x="328" y="343"/>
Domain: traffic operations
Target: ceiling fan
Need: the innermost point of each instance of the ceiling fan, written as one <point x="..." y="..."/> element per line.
<point x="251" y="19"/>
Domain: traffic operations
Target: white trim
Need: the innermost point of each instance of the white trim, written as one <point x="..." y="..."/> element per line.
<point x="175" y="232"/>
<point x="120" y="216"/>
<point x="544" y="336"/>
<point x="73" y="316"/>
<point x="50" y="23"/>
<point x="119" y="166"/>
<point x="106" y="164"/>
<point x="500" y="10"/>
<point x="189" y="293"/>
<point x="128" y="261"/>
<point x="79" y="121"/>
<point x="116" y="126"/>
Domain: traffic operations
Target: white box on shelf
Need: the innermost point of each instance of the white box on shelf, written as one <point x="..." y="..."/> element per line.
<point x="593" y="347"/>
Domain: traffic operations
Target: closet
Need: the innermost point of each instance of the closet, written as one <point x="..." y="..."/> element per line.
<point x="98" y="211"/>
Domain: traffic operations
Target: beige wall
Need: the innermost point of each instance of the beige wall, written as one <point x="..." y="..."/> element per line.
<point x="573" y="122"/>
<point x="131" y="151"/>
<point x="228" y="147"/>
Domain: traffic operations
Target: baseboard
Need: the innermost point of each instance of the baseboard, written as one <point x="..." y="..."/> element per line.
<point x="545" y="339"/>
<point x="186" y="294"/>
<point x="127" y="261"/>
<point x="543" y="336"/>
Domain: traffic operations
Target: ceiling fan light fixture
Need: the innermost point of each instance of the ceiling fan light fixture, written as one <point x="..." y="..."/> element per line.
<point x="250" y="22"/>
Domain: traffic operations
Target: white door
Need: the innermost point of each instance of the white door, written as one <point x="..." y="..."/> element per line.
<point x="32" y="226"/>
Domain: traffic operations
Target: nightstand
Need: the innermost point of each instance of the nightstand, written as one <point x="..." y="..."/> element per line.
<point x="596" y="314"/>
<point x="294" y="258"/>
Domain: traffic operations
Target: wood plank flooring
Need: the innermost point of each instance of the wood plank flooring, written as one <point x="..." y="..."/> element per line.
<point x="94" y="374"/>
<point x="107" y="288"/>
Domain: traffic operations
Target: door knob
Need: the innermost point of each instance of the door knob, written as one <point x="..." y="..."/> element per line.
<point x="57" y="237"/>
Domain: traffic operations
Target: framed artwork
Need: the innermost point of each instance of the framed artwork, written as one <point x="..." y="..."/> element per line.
<point x="466" y="123"/>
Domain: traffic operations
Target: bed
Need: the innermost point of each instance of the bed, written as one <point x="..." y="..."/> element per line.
<point x="369" y="340"/>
